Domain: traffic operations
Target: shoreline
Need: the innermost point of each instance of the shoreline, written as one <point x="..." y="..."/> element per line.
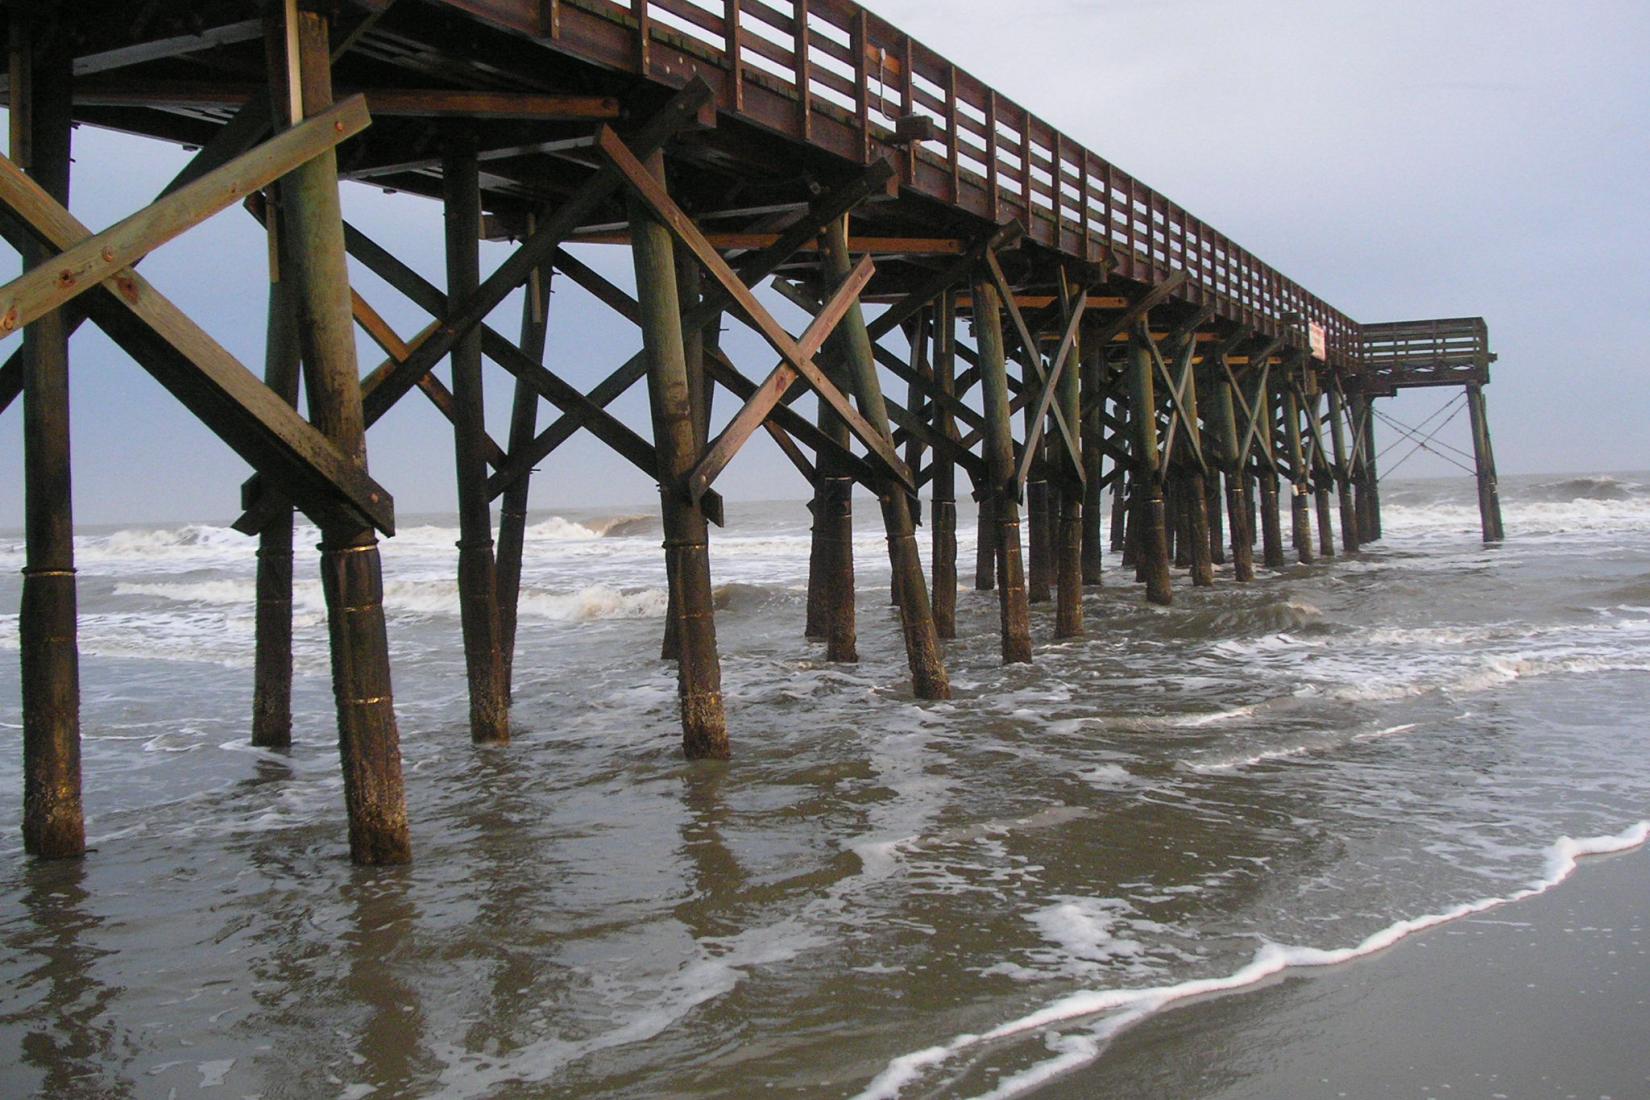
<point x="1546" y="995"/>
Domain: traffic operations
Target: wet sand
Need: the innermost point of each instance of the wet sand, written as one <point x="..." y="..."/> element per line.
<point x="1546" y="997"/>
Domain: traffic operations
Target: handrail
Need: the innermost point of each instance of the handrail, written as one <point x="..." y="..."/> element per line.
<point x="845" y="68"/>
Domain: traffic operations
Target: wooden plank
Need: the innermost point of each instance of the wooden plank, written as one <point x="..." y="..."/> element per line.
<point x="881" y="246"/>
<point x="247" y="415"/>
<point x="745" y="305"/>
<point x="388" y="102"/>
<point x="78" y="269"/>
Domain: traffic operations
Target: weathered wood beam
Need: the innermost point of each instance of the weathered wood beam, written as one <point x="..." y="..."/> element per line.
<point x="387" y="102"/>
<point x="1045" y="400"/>
<point x="750" y="268"/>
<point x="1031" y="351"/>
<point x="102" y="256"/>
<point x="744" y="304"/>
<point x="212" y="384"/>
<point x="682" y="110"/>
<point x="772" y="389"/>
<point x="739" y="242"/>
<point x="159" y="49"/>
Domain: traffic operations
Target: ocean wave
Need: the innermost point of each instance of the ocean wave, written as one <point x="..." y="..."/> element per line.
<point x="1120" y="1009"/>
<point x="592" y="602"/>
<point x="1597" y="487"/>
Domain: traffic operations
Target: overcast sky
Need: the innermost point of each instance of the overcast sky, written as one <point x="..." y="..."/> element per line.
<point x="1399" y="159"/>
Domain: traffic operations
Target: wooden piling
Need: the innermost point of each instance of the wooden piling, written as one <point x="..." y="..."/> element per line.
<point x="1301" y="488"/>
<point x="351" y="572"/>
<point x="477" y="572"/>
<point x="1093" y="509"/>
<point x="1326" y="532"/>
<point x="1483" y="453"/>
<point x="1194" y="495"/>
<point x="1343" y="470"/>
<point x="922" y="647"/>
<point x="1068" y="549"/>
<point x="944" y="520"/>
<point x="272" y="624"/>
<point x="1013" y="604"/>
<point x="699" y="672"/>
<point x="831" y="554"/>
<point x="512" y="513"/>
<point x="53" y="817"/>
<point x="1213" y="507"/>
<point x="985" y="549"/>
<point x="1152" y="546"/>
<point x="1222" y="444"/>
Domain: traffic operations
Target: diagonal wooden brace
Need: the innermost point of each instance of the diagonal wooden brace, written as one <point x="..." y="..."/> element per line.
<point x="1033" y="355"/>
<point x="463" y="316"/>
<point x="744" y="304"/>
<point x="751" y="268"/>
<point x="54" y="282"/>
<point x="1045" y="402"/>
<point x="772" y="389"/>
<point x="328" y="485"/>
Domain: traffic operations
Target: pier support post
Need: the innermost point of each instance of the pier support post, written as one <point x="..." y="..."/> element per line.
<point x="1194" y="494"/>
<point x="944" y="520"/>
<point x="1068" y="550"/>
<point x="922" y="646"/>
<point x="1152" y="545"/>
<point x="1367" y="501"/>
<point x="272" y="625"/>
<point x="1090" y="397"/>
<point x="999" y="456"/>
<point x="1223" y="423"/>
<point x="1300" y="508"/>
<point x="1483" y="453"/>
<point x="985" y="549"/>
<point x="1321" y="472"/>
<point x="699" y="671"/>
<point x="351" y="572"/>
<point x="53" y="817"/>
<point x="1039" y="520"/>
<point x="477" y="572"/>
<point x="831" y="555"/>
<point x="1263" y="404"/>
<point x="1343" y="471"/>
<point x="512" y="513"/>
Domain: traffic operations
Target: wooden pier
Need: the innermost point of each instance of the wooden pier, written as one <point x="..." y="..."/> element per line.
<point x="988" y="297"/>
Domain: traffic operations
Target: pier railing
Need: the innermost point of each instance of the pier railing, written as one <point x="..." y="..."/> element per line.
<point x="836" y="76"/>
<point x="1450" y="351"/>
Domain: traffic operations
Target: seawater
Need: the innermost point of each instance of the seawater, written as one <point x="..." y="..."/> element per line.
<point x="877" y="896"/>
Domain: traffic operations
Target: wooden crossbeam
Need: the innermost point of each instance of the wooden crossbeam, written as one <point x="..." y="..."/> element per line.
<point x="1033" y="355"/>
<point x="942" y="280"/>
<point x="387" y="102"/>
<point x="887" y="359"/>
<point x="391" y="344"/>
<point x="1179" y="413"/>
<point x="247" y="415"/>
<point x="682" y="110"/>
<point x="53" y="282"/>
<point x="772" y="389"/>
<point x="750" y="268"/>
<point x="239" y="134"/>
<point x="875" y="246"/>
<point x="647" y="188"/>
<point x="786" y="428"/>
<point x="1045" y="400"/>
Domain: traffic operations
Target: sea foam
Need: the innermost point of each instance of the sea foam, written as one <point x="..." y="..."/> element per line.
<point x="1123" y="1008"/>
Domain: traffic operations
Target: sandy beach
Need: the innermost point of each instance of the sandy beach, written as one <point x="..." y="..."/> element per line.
<point x="1545" y="997"/>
